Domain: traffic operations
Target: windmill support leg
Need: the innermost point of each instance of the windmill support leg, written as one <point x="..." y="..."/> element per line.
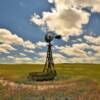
<point x="49" y="64"/>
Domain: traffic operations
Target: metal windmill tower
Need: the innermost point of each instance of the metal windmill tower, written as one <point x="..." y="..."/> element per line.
<point x="49" y="64"/>
<point x="49" y="71"/>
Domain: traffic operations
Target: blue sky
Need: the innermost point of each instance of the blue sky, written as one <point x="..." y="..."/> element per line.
<point x="17" y="17"/>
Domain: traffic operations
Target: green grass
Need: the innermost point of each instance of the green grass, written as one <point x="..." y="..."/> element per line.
<point x="80" y="81"/>
<point x="79" y="71"/>
<point x="19" y="72"/>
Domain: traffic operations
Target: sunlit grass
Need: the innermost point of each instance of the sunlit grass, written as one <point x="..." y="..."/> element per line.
<point x="19" y="72"/>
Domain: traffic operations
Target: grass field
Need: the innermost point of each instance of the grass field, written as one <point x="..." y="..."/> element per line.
<point x="73" y="82"/>
<point x="64" y="71"/>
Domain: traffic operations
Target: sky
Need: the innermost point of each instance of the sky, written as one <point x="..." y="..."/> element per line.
<point x="24" y="23"/>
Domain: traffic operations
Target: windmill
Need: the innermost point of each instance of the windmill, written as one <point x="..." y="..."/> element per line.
<point x="49" y="64"/>
<point x="49" y="72"/>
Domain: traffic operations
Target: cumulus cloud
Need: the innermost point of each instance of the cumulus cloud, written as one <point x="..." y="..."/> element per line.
<point x="22" y="54"/>
<point x="18" y="59"/>
<point x="97" y="51"/>
<point x="41" y="44"/>
<point x="23" y="60"/>
<point x="74" y="50"/>
<point x="8" y="37"/>
<point x="94" y="4"/>
<point x="29" y="45"/>
<point x="67" y="17"/>
<point x="80" y="46"/>
<point x="77" y="53"/>
<point x="5" y="48"/>
<point x="92" y="39"/>
<point x="7" y="42"/>
<point x="63" y="20"/>
<point x="58" y="58"/>
<point x="83" y="60"/>
<point x="88" y="52"/>
<point x="10" y="57"/>
<point x="28" y="51"/>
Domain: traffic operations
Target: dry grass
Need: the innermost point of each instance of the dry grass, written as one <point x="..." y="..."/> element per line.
<point x="57" y="90"/>
<point x="75" y="82"/>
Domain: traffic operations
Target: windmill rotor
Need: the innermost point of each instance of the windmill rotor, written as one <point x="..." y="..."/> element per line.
<point x="50" y="36"/>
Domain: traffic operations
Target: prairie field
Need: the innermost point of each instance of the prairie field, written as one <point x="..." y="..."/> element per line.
<point x="73" y="82"/>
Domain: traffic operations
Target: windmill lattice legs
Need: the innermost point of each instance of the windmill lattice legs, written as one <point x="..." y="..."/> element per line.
<point x="49" y="64"/>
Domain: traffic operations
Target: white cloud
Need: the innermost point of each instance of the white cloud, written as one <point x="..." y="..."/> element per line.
<point x="18" y="60"/>
<point x="22" y="54"/>
<point x="92" y="39"/>
<point x="80" y="46"/>
<point x="58" y="58"/>
<point x="63" y="20"/>
<point x="79" y="39"/>
<point x="36" y="19"/>
<point x="74" y="50"/>
<point x="5" y="48"/>
<point x="65" y="38"/>
<point x="23" y="60"/>
<point x="76" y="53"/>
<point x="97" y="51"/>
<point x="67" y="17"/>
<point x="10" y="57"/>
<point x="29" y="45"/>
<point x="28" y="51"/>
<point x="50" y="1"/>
<point x="95" y="4"/>
<point x="41" y="44"/>
<point x="9" y="38"/>
<point x="92" y="55"/>
<point x="83" y="60"/>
